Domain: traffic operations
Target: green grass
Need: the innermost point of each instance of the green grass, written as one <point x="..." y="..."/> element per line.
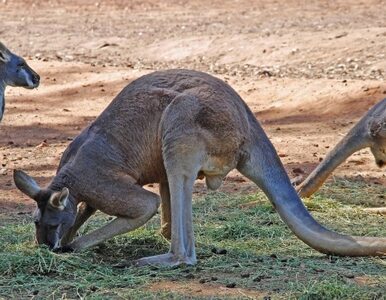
<point x="262" y="255"/>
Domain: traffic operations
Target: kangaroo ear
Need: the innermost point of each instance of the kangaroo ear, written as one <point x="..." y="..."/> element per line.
<point x="59" y="200"/>
<point x="2" y="57"/>
<point x="26" y="184"/>
<point x="4" y="54"/>
<point x="378" y="129"/>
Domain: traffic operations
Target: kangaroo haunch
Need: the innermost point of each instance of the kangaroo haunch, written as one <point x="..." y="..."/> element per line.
<point x="169" y="127"/>
<point x="369" y="132"/>
<point x="14" y="71"/>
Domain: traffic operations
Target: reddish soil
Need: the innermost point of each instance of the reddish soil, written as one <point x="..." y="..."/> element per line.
<point x="207" y="290"/>
<point x="308" y="70"/>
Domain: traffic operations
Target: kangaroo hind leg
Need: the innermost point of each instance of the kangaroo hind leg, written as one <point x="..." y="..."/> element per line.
<point x="183" y="153"/>
<point x="182" y="249"/>
<point x="133" y="207"/>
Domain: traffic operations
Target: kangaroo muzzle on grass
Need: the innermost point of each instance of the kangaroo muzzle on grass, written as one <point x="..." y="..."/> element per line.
<point x="369" y="132"/>
<point x="169" y="127"/>
<point x="14" y="71"/>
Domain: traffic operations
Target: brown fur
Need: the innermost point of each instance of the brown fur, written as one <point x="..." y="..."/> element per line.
<point x="170" y="127"/>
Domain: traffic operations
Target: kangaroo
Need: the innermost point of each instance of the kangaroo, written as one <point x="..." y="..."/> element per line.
<point x="169" y="127"/>
<point x="370" y="131"/>
<point x="14" y="71"/>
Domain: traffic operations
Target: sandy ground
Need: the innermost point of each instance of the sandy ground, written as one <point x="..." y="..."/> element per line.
<point x="308" y="71"/>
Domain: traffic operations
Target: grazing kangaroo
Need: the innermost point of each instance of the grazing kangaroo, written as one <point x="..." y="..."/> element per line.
<point x="169" y="127"/>
<point x="370" y="131"/>
<point x="14" y="71"/>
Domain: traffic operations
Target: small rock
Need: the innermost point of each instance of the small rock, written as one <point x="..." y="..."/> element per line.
<point x="219" y="251"/>
<point x="297" y="171"/>
<point x="69" y="58"/>
<point x="231" y="285"/>
<point x="332" y="259"/>
<point x="93" y="288"/>
<point x="318" y="270"/>
<point x="3" y="171"/>
<point x="42" y="144"/>
<point x="343" y="34"/>
<point x="245" y="275"/>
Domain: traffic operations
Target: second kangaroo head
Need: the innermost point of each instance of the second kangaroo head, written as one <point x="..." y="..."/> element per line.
<point x="54" y="214"/>
<point x="376" y="128"/>
<point x="15" y="71"/>
<point x="378" y="147"/>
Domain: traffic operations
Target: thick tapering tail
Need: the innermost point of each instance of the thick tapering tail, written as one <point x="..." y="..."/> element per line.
<point x="263" y="166"/>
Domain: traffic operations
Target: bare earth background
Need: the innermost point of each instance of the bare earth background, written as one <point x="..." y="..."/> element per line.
<point x="308" y="69"/>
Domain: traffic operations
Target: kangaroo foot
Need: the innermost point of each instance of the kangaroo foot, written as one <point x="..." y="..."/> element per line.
<point x="168" y="259"/>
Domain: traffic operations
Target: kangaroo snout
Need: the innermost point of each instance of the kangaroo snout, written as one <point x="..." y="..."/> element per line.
<point x="32" y="78"/>
<point x="35" y="79"/>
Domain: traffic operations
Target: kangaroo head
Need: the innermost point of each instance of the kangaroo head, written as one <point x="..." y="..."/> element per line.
<point x="375" y="121"/>
<point x="54" y="214"/>
<point x="14" y="71"/>
<point x="377" y="129"/>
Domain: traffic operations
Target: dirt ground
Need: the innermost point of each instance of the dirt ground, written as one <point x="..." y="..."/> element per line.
<point x="308" y="69"/>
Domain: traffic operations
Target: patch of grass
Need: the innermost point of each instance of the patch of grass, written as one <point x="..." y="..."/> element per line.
<point x="355" y="191"/>
<point x="238" y="244"/>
